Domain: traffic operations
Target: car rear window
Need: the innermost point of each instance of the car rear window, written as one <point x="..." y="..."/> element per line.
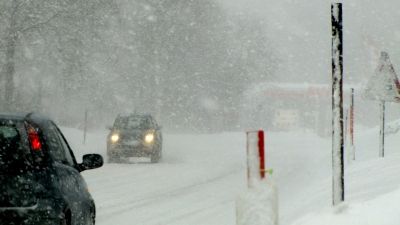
<point x="13" y="147"/>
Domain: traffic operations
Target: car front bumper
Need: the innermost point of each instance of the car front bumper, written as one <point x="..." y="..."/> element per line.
<point x="130" y="151"/>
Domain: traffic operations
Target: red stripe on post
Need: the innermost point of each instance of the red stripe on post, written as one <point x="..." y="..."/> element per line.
<point x="247" y="155"/>
<point x="261" y="153"/>
<point x="352" y="125"/>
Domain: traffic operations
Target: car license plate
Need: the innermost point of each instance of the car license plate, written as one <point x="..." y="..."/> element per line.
<point x="138" y="160"/>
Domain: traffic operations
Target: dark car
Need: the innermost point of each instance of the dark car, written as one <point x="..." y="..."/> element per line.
<point x="135" y="135"/>
<point x="40" y="180"/>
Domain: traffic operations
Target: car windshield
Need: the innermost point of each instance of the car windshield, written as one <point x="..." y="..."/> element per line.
<point x="131" y="123"/>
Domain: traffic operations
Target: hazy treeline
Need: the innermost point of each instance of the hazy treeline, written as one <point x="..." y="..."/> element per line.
<point x="185" y="61"/>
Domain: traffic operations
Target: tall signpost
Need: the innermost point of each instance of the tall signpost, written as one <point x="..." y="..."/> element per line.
<point x="384" y="87"/>
<point x="337" y="105"/>
<point x="85" y="126"/>
<point x="353" y="149"/>
<point x="382" y="129"/>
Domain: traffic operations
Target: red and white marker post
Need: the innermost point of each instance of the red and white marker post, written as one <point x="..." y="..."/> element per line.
<point x="259" y="204"/>
<point x="255" y="157"/>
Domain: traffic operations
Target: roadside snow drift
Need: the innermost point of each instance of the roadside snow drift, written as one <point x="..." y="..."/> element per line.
<point x="384" y="210"/>
<point x="258" y="205"/>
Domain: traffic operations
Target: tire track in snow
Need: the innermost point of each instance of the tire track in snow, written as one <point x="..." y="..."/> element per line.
<point x="118" y="208"/>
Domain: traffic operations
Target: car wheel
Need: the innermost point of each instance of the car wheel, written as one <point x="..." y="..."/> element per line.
<point x="92" y="219"/>
<point x="66" y="220"/>
<point x="113" y="159"/>
<point x="155" y="157"/>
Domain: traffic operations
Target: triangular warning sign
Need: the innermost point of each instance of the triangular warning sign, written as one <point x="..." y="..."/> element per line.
<point x="384" y="84"/>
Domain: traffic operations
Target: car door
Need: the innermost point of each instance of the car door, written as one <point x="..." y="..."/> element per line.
<point x="86" y="201"/>
<point x="69" y="179"/>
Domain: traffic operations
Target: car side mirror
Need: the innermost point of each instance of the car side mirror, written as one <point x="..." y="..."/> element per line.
<point x="91" y="161"/>
<point x="108" y="127"/>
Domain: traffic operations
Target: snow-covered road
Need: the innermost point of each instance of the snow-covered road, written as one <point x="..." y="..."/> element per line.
<point x="200" y="177"/>
<point x="196" y="182"/>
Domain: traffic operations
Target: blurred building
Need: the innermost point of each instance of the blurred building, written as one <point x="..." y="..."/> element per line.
<point x="306" y="107"/>
<point x="284" y="107"/>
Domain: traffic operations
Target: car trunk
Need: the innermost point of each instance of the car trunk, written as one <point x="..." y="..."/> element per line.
<point x="16" y="178"/>
<point x="17" y="190"/>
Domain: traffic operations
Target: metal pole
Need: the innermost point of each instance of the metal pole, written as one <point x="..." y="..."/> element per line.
<point x="346" y="127"/>
<point x="382" y="130"/>
<point x="85" y="127"/>
<point x="337" y="105"/>
<point x="346" y="133"/>
<point x="353" y="149"/>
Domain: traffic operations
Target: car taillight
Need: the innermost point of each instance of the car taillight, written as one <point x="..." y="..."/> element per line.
<point x="34" y="139"/>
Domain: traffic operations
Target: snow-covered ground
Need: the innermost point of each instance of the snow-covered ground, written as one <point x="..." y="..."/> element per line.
<point x="201" y="176"/>
<point x="372" y="187"/>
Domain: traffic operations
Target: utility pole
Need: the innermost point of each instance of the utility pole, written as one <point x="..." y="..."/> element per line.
<point x="337" y="105"/>
<point x="85" y="126"/>
<point x="353" y="148"/>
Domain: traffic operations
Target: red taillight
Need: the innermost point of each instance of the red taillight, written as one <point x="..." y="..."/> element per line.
<point x="34" y="139"/>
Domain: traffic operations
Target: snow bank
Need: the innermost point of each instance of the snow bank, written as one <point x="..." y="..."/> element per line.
<point x="372" y="187"/>
<point x="384" y="210"/>
<point x="258" y="206"/>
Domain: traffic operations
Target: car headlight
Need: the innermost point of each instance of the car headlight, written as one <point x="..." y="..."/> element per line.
<point x="149" y="138"/>
<point x="114" y="138"/>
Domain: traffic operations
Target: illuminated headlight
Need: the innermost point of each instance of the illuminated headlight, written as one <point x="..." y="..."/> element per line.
<point x="149" y="138"/>
<point x="114" y="138"/>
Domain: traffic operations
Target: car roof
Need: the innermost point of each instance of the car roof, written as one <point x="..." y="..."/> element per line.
<point x="12" y="116"/>
<point x="33" y="117"/>
<point x="146" y="115"/>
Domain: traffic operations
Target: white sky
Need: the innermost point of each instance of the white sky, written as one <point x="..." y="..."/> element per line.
<point x="300" y="30"/>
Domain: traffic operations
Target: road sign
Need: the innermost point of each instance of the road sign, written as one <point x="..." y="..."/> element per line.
<point x="384" y="87"/>
<point x="384" y="84"/>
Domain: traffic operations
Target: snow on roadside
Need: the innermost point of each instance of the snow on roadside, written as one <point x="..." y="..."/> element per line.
<point x="258" y="205"/>
<point x="383" y="210"/>
<point x="372" y="187"/>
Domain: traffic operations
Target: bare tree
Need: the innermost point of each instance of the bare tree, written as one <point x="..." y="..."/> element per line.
<point x="23" y="16"/>
<point x="65" y="27"/>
